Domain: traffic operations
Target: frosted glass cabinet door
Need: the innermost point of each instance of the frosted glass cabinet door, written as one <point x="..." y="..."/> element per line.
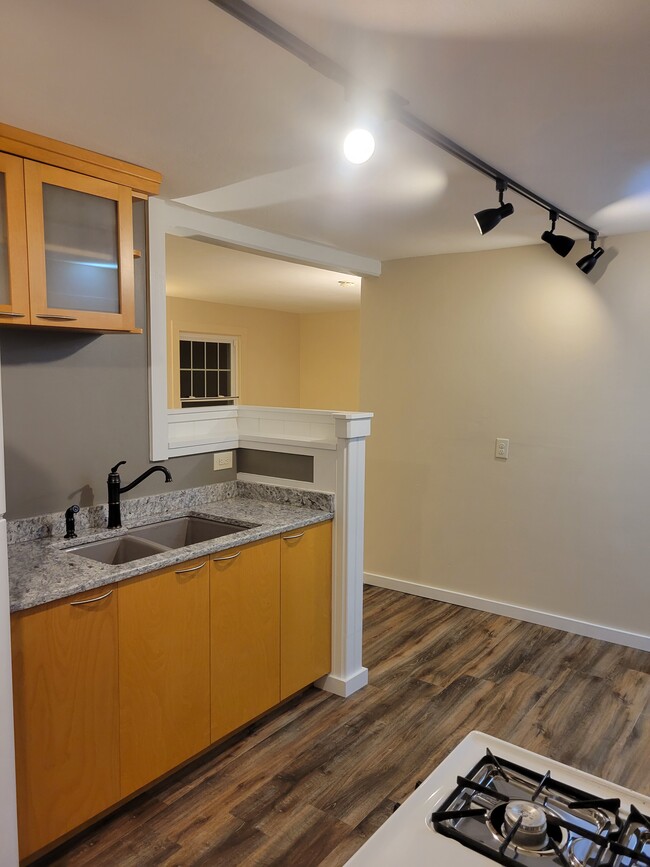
<point x="80" y="240"/>
<point x="14" y="287"/>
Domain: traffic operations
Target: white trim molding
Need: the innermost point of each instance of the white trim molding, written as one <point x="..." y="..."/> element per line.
<point x="335" y="440"/>
<point x="170" y="218"/>
<point x="517" y="612"/>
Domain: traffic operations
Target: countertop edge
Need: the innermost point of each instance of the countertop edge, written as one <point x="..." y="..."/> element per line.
<point x="56" y="564"/>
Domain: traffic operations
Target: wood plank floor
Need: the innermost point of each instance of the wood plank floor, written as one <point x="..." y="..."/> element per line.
<point x="308" y="784"/>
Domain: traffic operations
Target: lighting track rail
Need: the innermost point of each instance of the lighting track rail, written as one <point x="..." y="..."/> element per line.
<point x="329" y="68"/>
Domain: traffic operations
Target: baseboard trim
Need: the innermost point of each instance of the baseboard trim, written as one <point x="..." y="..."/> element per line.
<point x="344" y="686"/>
<point x="529" y="615"/>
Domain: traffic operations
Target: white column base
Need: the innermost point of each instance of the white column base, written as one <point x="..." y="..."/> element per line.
<point x="344" y="686"/>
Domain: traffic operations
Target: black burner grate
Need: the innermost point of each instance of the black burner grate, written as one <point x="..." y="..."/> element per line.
<point x="582" y="830"/>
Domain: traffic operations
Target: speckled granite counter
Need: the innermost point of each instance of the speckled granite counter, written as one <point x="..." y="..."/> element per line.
<point x="44" y="569"/>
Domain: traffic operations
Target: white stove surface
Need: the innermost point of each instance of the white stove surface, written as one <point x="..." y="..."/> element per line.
<point x="407" y="839"/>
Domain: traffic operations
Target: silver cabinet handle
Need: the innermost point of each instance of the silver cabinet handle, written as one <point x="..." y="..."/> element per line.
<point x="297" y="536"/>
<point x="56" y="316"/>
<point x="15" y="315"/>
<point x="231" y="557"/>
<point x="95" y="599"/>
<point x="191" y="569"/>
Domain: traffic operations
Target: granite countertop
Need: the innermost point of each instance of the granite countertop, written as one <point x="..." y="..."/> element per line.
<point x="43" y="570"/>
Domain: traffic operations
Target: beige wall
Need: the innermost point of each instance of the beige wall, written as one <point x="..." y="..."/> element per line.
<point x="329" y="360"/>
<point x="286" y="358"/>
<point x="457" y="350"/>
<point x="269" y="348"/>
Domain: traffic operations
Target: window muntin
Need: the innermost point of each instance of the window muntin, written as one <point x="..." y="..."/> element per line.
<point x="208" y="370"/>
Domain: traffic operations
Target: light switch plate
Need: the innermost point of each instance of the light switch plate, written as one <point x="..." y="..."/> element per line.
<point x="223" y="460"/>
<point x="502" y="448"/>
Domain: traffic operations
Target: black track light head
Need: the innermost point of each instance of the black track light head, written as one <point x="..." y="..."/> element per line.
<point x="560" y="244"/>
<point x="588" y="262"/>
<point x="489" y="218"/>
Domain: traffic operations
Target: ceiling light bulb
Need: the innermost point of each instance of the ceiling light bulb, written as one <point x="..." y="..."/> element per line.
<point x="359" y="146"/>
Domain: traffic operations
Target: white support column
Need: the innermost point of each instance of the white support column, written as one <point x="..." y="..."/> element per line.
<point x="348" y="673"/>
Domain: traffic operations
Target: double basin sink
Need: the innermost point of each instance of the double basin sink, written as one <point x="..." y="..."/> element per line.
<point x="157" y="538"/>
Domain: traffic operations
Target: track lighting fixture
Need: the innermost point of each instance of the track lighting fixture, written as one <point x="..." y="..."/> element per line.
<point x="388" y="104"/>
<point x="587" y="263"/>
<point x="560" y="244"/>
<point x="489" y="218"/>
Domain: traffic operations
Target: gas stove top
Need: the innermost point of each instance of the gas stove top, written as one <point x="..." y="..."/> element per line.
<point x="492" y="802"/>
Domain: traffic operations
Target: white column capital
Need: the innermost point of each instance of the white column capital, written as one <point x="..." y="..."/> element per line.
<point x="352" y="425"/>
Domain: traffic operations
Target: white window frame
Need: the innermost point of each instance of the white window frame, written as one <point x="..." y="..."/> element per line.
<point x="235" y="380"/>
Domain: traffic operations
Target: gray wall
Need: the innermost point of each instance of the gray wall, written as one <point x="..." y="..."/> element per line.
<point x="277" y="465"/>
<point x="74" y="405"/>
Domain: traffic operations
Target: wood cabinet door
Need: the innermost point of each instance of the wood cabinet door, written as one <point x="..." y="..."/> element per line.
<point x="80" y="249"/>
<point x="14" y="283"/>
<point x="164" y="643"/>
<point x="66" y="714"/>
<point x="245" y="623"/>
<point x="306" y="607"/>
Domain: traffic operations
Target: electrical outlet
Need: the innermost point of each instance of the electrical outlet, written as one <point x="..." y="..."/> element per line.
<point x="501" y="449"/>
<point x="223" y="460"/>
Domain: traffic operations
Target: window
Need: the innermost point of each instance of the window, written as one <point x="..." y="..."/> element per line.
<point x="208" y="370"/>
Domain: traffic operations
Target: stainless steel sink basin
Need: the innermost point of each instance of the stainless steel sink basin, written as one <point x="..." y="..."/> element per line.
<point x="156" y="538"/>
<point x="116" y="551"/>
<point x="180" y="532"/>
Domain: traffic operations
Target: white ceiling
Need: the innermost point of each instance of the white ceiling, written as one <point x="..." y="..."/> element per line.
<point x="209" y="272"/>
<point x="552" y="92"/>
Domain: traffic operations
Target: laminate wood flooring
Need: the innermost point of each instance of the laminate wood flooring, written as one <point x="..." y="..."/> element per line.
<point x="309" y="783"/>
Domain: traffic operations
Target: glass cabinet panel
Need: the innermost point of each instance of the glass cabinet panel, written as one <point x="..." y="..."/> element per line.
<point x="80" y="233"/>
<point x="81" y="250"/>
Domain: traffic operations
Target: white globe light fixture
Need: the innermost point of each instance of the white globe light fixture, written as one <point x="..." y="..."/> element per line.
<point x="359" y="146"/>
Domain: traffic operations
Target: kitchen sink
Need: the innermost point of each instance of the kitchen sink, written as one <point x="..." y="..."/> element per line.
<point x="124" y="549"/>
<point x="180" y="532"/>
<point x="156" y="538"/>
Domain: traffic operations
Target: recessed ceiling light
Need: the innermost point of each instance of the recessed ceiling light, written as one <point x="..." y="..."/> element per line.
<point x="359" y="146"/>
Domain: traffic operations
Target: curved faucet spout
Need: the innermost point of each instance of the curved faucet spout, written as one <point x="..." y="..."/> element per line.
<point x="158" y="468"/>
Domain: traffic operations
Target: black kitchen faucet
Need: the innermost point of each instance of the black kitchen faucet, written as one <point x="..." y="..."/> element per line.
<point x="114" y="490"/>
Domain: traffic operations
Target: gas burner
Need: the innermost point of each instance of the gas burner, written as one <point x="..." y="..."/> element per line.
<point x="514" y="815"/>
<point x="526" y="825"/>
<point x="492" y="802"/>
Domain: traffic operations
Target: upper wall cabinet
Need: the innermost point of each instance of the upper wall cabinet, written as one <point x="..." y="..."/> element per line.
<point x="66" y="234"/>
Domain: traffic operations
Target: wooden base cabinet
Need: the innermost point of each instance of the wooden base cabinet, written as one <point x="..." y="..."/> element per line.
<point x="198" y="651"/>
<point x="245" y="624"/>
<point x="164" y="635"/>
<point x="65" y="672"/>
<point x="306" y="607"/>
